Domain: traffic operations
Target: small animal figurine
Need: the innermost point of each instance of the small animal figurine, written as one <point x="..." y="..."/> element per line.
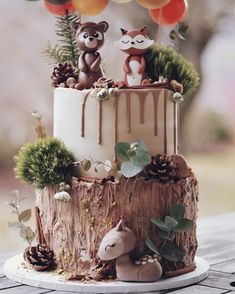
<point x="117" y="244"/>
<point x="90" y="38"/>
<point x="134" y="43"/>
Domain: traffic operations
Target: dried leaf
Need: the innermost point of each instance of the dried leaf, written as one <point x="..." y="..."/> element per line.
<point x="15" y="225"/>
<point x="27" y="234"/>
<point x="25" y="215"/>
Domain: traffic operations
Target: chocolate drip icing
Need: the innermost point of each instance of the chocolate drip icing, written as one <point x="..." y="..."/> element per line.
<point x="175" y="128"/>
<point x="155" y="109"/>
<point x="165" y="120"/>
<point x="83" y="114"/>
<point x="116" y="99"/>
<point x="100" y="122"/>
<point x="142" y="98"/>
<point x="128" y="112"/>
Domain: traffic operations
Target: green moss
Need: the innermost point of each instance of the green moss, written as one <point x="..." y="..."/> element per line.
<point x="44" y="163"/>
<point x="165" y="61"/>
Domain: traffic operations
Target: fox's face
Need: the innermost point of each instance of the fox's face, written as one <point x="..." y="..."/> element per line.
<point x="135" y="42"/>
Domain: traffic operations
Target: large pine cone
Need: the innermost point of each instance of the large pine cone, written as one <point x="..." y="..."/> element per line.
<point x="64" y="75"/>
<point x="161" y="168"/>
<point x="40" y="258"/>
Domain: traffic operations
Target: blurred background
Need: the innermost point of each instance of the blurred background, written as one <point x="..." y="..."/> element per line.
<point x="207" y="118"/>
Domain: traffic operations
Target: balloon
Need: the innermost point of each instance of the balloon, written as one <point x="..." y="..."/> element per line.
<point x="90" y="7"/>
<point x="58" y="7"/>
<point x="153" y="4"/>
<point x="121" y="1"/>
<point x="170" y="14"/>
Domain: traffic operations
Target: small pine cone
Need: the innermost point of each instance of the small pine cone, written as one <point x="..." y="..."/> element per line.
<point x="61" y="73"/>
<point x="40" y="258"/>
<point x="161" y="168"/>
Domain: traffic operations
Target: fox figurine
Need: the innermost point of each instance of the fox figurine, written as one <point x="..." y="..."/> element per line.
<point x="134" y="43"/>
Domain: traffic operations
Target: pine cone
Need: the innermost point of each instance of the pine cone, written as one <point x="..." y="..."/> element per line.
<point x="161" y="169"/>
<point x="62" y="74"/>
<point x="40" y="258"/>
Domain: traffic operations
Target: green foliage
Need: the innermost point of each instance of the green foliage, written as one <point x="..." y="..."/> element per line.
<point x="66" y="50"/>
<point x="173" y="223"/>
<point x="135" y="157"/>
<point x="165" y="61"/>
<point x="22" y="217"/>
<point x="44" y="163"/>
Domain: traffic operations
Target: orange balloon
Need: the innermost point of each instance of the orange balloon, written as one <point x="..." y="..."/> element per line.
<point x="90" y="7"/>
<point x="170" y="14"/>
<point x="153" y="4"/>
<point x="59" y="9"/>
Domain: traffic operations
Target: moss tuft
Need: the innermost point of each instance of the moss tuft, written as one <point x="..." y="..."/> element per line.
<point x="165" y="61"/>
<point x="46" y="162"/>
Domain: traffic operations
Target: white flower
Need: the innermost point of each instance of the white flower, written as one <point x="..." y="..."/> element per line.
<point x="177" y="97"/>
<point x="62" y="196"/>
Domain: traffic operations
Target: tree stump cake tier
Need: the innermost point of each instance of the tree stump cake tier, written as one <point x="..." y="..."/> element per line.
<point x="75" y="229"/>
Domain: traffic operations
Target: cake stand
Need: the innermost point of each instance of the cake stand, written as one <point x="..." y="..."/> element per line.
<point x="15" y="269"/>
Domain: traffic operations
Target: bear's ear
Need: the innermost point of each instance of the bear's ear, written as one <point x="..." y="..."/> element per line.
<point x="75" y="26"/>
<point x="144" y="30"/>
<point x="123" y="31"/>
<point x="103" y="26"/>
<point x="120" y="226"/>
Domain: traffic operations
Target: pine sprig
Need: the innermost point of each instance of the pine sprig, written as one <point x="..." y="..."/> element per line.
<point x="165" y="61"/>
<point x="66" y="50"/>
<point x="53" y="55"/>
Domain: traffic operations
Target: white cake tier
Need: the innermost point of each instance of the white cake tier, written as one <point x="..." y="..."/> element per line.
<point x="91" y="128"/>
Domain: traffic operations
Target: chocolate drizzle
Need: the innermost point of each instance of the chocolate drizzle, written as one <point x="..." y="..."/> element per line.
<point x="128" y="112"/>
<point x="100" y="122"/>
<point x="83" y="114"/>
<point x="142" y="99"/>
<point x="175" y="127"/>
<point x="165" y="121"/>
<point x="155" y="103"/>
<point x="116" y="99"/>
<point x="142" y="95"/>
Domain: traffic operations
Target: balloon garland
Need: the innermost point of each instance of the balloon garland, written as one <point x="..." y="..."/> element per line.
<point x="163" y="12"/>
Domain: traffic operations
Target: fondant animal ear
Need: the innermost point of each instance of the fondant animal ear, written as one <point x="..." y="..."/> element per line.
<point x="123" y="31"/>
<point x="120" y="226"/>
<point x="144" y="30"/>
<point x="103" y="26"/>
<point x="75" y="26"/>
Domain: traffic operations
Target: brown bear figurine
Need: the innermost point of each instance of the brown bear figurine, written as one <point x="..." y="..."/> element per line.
<point x="90" y="38"/>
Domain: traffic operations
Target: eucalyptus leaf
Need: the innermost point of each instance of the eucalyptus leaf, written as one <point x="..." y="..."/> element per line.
<point x="151" y="245"/>
<point x="141" y="158"/>
<point x="160" y="224"/>
<point x="27" y="234"/>
<point x="25" y="215"/>
<point x="121" y="150"/>
<point x="170" y="222"/>
<point x="140" y="144"/>
<point x="177" y="211"/>
<point x="172" y="252"/>
<point x="17" y="225"/>
<point x="130" y="170"/>
<point x="184" y="224"/>
<point x="165" y="235"/>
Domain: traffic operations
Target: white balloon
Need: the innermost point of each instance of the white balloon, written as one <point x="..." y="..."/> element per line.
<point x="121" y="1"/>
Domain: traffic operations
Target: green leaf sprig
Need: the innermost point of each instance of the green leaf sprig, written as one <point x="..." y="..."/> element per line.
<point x="174" y="223"/>
<point x="135" y="157"/>
<point x="23" y="216"/>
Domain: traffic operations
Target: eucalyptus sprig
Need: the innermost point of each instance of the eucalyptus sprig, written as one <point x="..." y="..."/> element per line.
<point x="23" y="216"/>
<point x="174" y="223"/>
<point x="135" y="156"/>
